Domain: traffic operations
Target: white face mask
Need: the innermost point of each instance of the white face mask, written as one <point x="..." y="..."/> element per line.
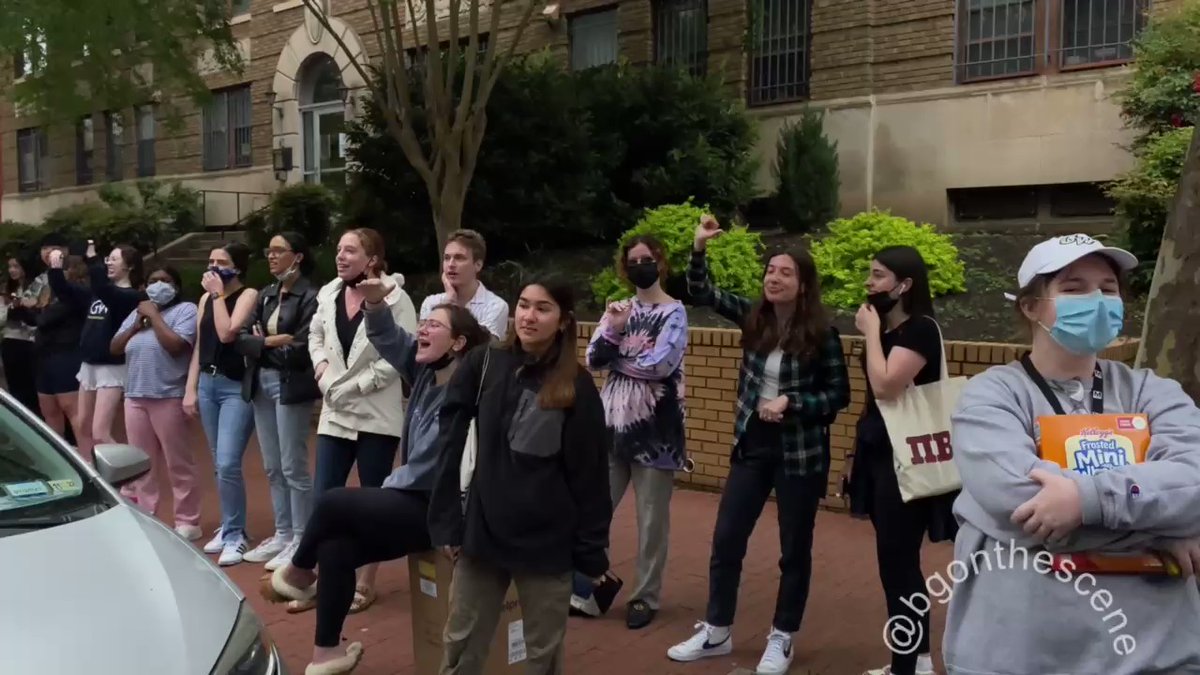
<point x="160" y="293"/>
<point x="289" y="272"/>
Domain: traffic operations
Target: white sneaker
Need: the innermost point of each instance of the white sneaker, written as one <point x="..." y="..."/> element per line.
<point x="924" y="664"/>
<point x="585" y="606"/>
<point x="189" y="532"/>
<point x="708" y="641"/>
<point x="284" y="557"/>
<point x="217" y="543"/>
<point x="232" y="552"/>
<point x="777" y="657"/>
<point x="886" y="670"/>
<point x="267" y="549"/>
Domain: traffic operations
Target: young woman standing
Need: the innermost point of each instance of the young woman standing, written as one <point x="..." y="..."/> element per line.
<point x="280" y="384"/>
<point x="792" y="384"/>
<point x="214" y="390"/>
<point x="18" y="305"/>
<point x="1017" y="503"/>
<point x="538" y="506"/>
<point x="641" y="342"/>
<point x="352" y="527"/>
<point x="157" y="340"/>
<point x="903" y="348"/>
<point x="56" y="348"/>
<point x="113" y="292"/>
<point x="361" y="417"/>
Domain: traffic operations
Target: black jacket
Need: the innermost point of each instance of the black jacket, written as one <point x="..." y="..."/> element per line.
<point x="104" y="305"/>
<point x="539" y="501"/>
<point x="297" y="380"/>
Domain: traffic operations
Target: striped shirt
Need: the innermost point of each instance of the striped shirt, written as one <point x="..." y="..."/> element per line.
<point x="153" y="372"/>
<point x="489" y="309"/>
<point x="816" y="388"/>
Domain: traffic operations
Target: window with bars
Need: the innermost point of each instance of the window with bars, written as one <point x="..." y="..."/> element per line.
<point x="593" y="39"/>
<point x="145" y="141"/>
<point x="681" y="34"/>
<point x="781" y="31"/>
<point x="114" y="139"/>
<point x="33" y="160"/>
<point x="1009" y="38"/>
<point x="85" y="143"/>
<point x="226" y="130"/>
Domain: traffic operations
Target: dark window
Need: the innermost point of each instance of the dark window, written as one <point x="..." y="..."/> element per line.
<point x="681" y="34"/>
<point x="1073" y="200"/>
<point x="779" y="61"/>
<point x="994" y="203"/>
<point x="114" y="139"/>
<point x="1007" y="38"/>
<point x="145" y="141"/>
<point x="593" y="39"/>
<point x="33" y="160"/>
<point x="415" y="58"/>
<point x="240" y="7"/>
<point x="226" y="130"/>
<point x="85" y="143"/>
<point x="1032" y="204"/>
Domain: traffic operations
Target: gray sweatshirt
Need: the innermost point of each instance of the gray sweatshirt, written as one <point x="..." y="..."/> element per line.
<point x="1013" y="614"/>
<point x="418" y="451"/>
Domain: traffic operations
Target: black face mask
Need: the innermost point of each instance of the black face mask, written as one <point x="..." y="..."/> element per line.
<point x="441" y="363"/>
<point x="882" y="301"/>
<point x="356" y="280"/>
<point x="643" y="275"/>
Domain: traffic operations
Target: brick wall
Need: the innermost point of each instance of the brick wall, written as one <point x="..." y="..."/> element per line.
<point x="711" y="369"/>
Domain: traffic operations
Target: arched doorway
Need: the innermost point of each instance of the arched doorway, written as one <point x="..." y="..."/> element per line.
<point x="323" y="119"/>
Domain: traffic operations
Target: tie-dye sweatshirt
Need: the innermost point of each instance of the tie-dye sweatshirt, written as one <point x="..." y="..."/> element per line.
<point x="644" y="392"/>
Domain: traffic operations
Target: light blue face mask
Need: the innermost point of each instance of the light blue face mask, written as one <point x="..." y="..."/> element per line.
<point x="1087" y="324"/>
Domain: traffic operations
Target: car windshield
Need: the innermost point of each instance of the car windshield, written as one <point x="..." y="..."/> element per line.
<point x="36" y="479"/>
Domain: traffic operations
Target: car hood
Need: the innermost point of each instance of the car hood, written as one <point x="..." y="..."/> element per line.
<point x="115" y="593"/>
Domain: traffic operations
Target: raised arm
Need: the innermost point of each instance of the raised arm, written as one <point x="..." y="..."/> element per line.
<point x="77" y="296"/>
<point x="832" y="391"/>
<point x="729" y="305"/>
<point x="394" y="344"/>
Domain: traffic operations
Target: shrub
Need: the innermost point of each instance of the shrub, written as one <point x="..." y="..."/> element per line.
<point x="844" y="257"/>
<point x="1164" y="91"/>
<point x="18" y="240"/>
<point x="734" y="259"/>
<point x="806" y="175"/>
<point x="307" y="208"/>
<point x="1144" y="196"/>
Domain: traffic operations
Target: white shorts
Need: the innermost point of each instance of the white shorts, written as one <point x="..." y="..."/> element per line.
<point x="95" y="376"/>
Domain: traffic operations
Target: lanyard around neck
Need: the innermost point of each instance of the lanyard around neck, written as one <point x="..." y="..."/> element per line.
<point x="1097" y="387"/>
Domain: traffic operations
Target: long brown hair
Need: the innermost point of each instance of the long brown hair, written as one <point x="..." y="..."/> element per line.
<point x="809" y="322"/>
<point x="560" y="363"/>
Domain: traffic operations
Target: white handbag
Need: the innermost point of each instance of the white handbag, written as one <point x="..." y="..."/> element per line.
<point x="918" y="424"/>
<point x="466" y="469"/>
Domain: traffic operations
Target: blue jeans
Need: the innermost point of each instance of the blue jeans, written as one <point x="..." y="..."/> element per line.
<point x="283" y="437"/>
<point x="227" y="421"/>
<point x="375" y="454"/>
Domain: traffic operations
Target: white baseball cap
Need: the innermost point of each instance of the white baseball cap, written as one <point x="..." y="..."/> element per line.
<point x="1054" y="254"/>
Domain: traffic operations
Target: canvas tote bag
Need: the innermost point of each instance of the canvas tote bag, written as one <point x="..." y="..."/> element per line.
<point x="466" y="468"/>
<point x="918" y="424"/>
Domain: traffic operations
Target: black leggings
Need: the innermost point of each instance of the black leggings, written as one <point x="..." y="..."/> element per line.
<point x="352" y="527"/>
<point x="18" y="358"/>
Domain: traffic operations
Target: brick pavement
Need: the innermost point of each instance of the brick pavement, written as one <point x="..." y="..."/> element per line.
<point x="841" y="633"/>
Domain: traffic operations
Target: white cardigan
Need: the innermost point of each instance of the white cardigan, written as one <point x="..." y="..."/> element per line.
<point x="362" y="393"/>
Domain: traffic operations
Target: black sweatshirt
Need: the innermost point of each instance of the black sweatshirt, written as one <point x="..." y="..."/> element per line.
<point x="105" y="305"/>
<point x="539" y="502"/>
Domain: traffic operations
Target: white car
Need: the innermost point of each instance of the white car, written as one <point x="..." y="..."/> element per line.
<point x="91" y="584"/>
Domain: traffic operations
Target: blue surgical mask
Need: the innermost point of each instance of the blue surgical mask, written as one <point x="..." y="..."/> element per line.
<point x="226" y="273"/>
<point x="1087" y="324"/>
<point x="160" y="293"/>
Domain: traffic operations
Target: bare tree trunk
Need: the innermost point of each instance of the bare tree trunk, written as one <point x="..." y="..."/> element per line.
<point x="1170" y="343"/>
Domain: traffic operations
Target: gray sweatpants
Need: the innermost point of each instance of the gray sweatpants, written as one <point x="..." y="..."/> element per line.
<point x="652" y="491"/>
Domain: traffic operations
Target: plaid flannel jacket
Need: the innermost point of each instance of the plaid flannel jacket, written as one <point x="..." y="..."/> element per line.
<point x="816" y="388"/>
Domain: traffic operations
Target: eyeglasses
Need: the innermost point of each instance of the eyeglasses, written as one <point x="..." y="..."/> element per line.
<point x="268" y="252"/>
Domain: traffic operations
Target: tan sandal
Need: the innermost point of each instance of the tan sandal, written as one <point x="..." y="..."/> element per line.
<point x="276" y="589"/>
<point x="364" y="597"/>
<point x="340" y="665"/>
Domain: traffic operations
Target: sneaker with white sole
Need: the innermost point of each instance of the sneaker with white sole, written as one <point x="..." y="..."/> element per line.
<point x="189" y="532"/>
<point x="284" y="557"/>
<point x="267" y="549"/>
<point x="233" y="551"/>
<point x="777" y="657"/>
<point x="924" y="667"/>
<point x="217" y="543"/>
<point x="708" y="641"/>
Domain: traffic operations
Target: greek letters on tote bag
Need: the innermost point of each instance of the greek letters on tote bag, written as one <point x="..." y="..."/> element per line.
<point x="918" y="424"/>
<point x="466" y="469"/>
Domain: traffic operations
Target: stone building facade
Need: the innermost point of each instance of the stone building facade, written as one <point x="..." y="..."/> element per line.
<point x="969" y="113"/>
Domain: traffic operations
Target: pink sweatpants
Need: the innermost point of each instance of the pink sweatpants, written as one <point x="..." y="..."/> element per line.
<point x="160" y="428"/>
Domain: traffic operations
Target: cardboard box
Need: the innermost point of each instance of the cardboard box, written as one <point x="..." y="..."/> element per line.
<point x="429" y="574"/>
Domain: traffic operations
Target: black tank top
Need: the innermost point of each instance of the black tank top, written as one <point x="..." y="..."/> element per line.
<point x="213" y="352"/>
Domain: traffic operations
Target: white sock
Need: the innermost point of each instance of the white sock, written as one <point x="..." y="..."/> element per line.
<point x="718" y="633"/>
<point x="924" y="662"/>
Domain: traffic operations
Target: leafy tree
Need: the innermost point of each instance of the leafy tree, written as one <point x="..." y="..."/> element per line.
<point x="74" y="57"/>
<point x="806" y="174"/>
<point x="1164" y="92"/>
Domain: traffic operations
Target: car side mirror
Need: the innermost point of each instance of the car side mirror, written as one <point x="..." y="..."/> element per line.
<point x="118" y="463"/>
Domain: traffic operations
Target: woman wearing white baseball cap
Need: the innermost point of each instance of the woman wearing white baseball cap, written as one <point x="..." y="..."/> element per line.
<point x="1080" y="508"/>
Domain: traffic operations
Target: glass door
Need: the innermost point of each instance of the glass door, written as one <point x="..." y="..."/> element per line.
<point x="324" y="160"/>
